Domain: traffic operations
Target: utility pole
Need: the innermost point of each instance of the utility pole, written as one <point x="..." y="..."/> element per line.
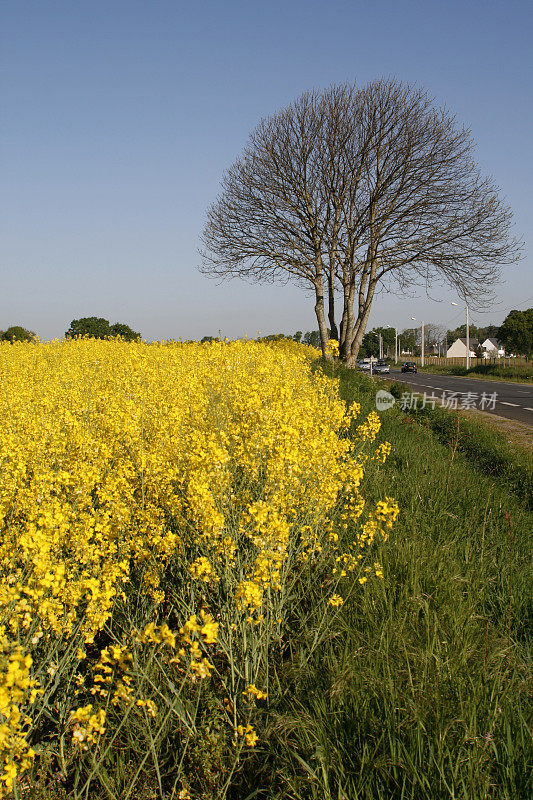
<point x="422" y="359"/>
<point x="467" y="339"/>
<point x="395" y="343"/>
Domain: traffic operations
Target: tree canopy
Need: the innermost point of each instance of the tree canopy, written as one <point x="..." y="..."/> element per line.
<point x="516" y="332"/>
<point x="370" y="343"/>
<point x="476" y="332"/>
<point x="124" y="331"/>
<point x="99" y="328"/>
<point x="356" y="189"/>
<point x="409" y="341"/>
<point x="16" y="333"/>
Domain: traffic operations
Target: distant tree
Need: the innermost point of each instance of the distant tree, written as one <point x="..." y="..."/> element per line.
<point x="125" y="332"/>
<point x="456" y="333"/>
<point x="491" y="332"/>
<point x="298" y="336"/>
<point x="370" y="343"/>
<point x="209" y="339"/>
<point x="516" y="332"/>
<point x="99" y="328"/>
<point x="16" y="333"/>
<point x="409" y="340"/>
<point x="312" y="338"/>
<point x="274" y="337"/>
<point x="433" y="334"/>
<point x="480" y="333"/>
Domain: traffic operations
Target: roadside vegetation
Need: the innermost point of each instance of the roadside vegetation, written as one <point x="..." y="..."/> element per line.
<point x="422" y="690"/>
<point x="237" y="586"/>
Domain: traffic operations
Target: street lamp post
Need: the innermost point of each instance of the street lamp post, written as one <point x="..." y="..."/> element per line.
<point x="467" y="335"/>
<point x="422" y="359"/>
<point x="392" y="327"/>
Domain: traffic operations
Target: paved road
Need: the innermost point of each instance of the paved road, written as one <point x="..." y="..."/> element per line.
<point x="511" y="400"/>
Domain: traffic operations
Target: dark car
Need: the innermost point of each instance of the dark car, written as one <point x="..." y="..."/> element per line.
<point x="409" y="366"/>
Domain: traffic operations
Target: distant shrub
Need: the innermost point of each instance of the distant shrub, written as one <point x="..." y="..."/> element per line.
<point x="16" y="333"/>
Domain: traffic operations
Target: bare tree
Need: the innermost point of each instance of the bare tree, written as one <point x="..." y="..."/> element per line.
<point x="433" y="334"/>
<point x="355" y="189"/>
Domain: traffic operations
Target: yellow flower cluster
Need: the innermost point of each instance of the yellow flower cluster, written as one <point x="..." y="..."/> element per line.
<point x="88" y="725"/>
<point x="382" y="452"/>
<point x="369" y="429"/>
<point x="111" y="675"/>
<point x="194" y="634"/>
<point x="386" y="512"/>
<point x="249" y="734"/>
<point x="17" y="692"/>
<point x="201" y="569"/>
<point x="253" y="691"/>
<point x="191" y="476"/>
<point x="332" y="347"/>
<point x="115" y="677"/>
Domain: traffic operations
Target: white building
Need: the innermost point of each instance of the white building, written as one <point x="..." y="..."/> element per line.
<point x="458" y="348"/>
<point x="492" y="348"/>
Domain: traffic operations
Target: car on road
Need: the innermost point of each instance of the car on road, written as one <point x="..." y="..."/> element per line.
<point x="381" y="367"/>
<point x="363" y="365"/>
<point x="409" y="366"/>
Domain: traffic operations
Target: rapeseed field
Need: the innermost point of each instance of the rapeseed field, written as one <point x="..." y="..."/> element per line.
<point x="159" y="505"/>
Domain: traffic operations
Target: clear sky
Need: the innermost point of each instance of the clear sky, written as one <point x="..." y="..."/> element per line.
<point x="119" y="118"/>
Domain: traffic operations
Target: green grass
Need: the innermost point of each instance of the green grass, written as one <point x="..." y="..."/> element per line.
<point x="420" y="688"/>
<point x="486" y="449"/>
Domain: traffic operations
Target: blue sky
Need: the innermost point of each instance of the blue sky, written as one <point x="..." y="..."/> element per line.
<point x="119" y="118"/>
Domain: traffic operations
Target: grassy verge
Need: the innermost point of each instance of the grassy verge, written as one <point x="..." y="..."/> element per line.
<point x="486" y="449"/>
<point x="420" y="688"/>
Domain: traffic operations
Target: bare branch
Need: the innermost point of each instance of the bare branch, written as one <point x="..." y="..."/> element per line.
<point x="355" y="188"/>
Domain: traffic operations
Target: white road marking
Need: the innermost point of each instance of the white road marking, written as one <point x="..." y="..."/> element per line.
<point x="503" y="403"/>
<point x="527" y="409"/>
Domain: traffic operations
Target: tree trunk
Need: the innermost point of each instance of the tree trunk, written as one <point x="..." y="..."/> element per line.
<point x="348" y="322"/>
<point x="334" y="334"/>
<point x="359" y="332"/>
<point x="358" y="329"/>
<point x="321" y="318"/>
